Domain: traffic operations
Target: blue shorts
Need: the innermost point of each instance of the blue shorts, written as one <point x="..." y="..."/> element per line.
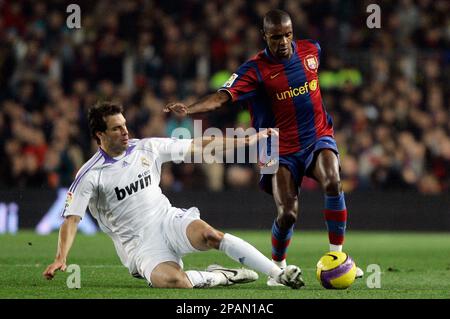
<point x="301" y="163"/>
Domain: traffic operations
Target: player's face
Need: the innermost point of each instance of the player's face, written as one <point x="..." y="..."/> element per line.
<point x="279" y="38"/>
<point x="115" y="139"/>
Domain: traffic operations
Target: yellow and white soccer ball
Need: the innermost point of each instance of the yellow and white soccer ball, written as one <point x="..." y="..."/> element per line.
<point x="336" y="270"/>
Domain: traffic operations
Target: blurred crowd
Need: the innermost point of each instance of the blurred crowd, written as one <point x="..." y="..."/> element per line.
<point x="386" y="88"/>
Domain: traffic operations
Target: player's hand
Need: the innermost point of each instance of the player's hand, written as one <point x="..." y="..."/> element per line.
<point x="49" y="273"/>
<point x="176" y="107"/>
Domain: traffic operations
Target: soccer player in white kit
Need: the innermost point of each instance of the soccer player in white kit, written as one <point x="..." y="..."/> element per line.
<point x="120" y="185"/>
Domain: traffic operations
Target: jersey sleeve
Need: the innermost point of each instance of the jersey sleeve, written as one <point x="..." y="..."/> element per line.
<point x="244" y="83"/>
<point x="78" y="196"/>
<point x="170" y="149"/>
<point x="319" y="49"/>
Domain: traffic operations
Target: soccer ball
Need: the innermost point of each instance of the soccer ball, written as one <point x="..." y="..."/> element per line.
<point x="336" y="270"/>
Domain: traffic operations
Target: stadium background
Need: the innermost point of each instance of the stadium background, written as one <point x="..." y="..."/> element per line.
<point x="386" y="89"/>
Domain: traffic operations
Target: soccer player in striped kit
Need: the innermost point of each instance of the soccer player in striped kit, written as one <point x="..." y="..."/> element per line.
<point x="280" y="85"/>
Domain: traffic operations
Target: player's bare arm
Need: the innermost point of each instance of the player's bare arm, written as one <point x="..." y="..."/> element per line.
<point x="67" y="234"/>
<point x="205" y="104"/>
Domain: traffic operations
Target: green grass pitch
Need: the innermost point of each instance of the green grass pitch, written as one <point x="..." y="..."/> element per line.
<point x="413" y="265"/>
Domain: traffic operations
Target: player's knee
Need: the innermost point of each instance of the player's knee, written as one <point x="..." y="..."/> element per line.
<point x="287" y="212"/>
<point x="181" y="281"/>
<point x="212" y="238"/>
<point x="177" y="280"/>
<point x="332" y="185"/>
<point x="287" y="218"/>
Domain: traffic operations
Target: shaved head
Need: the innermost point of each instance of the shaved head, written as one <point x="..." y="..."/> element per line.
<point x="275" y="17"/>
<point x="277" y="33"/>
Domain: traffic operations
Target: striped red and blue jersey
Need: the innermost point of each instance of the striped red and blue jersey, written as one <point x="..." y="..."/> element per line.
<point x="284" y="94"/>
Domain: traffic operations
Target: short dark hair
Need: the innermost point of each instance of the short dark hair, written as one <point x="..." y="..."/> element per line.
<point x="275" y="17"/>
<point x="97" y="114"/>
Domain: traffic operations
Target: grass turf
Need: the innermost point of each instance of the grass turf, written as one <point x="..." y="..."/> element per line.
<point x="413" y="265"/>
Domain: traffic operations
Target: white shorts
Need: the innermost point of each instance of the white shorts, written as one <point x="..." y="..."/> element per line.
<point x="165" y="241"/>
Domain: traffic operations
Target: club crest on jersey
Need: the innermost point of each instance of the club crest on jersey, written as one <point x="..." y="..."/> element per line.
<point x="231" y="80"/>
<point x="145" y="162"/>
<point x="311" y="63"/>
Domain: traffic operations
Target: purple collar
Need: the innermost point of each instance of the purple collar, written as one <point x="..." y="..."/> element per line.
<point x="109" y="159"/>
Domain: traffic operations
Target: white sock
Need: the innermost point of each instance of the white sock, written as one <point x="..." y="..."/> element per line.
<point x="205" y="279"/>
<point x="335" y="247"/>
<point x="282" y="264"/>
<point x="244" y="253"/>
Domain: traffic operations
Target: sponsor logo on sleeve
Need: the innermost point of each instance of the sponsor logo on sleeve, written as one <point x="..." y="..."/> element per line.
<point x="231" y="80"/>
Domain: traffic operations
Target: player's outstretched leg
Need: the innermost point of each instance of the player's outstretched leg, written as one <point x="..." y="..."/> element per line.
<point x="243" y="252"/>
<point x="170" y="275"/>
<point x="203" y="237"/>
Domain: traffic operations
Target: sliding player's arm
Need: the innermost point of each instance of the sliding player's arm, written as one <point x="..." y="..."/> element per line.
<point x="227" y="144"/>
<point x="67" y="233"/>
<point x="75" y="207"/>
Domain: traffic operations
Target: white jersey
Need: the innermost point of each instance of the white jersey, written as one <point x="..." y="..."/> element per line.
<point x="123" y="194"/>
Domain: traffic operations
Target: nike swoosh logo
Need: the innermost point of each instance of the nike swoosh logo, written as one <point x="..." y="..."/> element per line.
<point x="234" y="272"/>
<point x="274" y="76"/>
<point x="334" y="257"/>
